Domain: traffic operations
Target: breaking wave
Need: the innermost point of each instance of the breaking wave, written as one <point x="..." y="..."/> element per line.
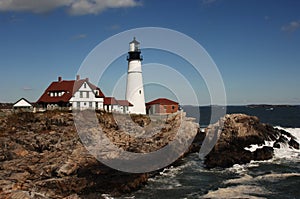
<point x="278" y="177"/>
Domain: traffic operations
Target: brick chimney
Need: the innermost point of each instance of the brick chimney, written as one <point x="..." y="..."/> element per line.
<point x="77" y="77"/>
<point x="59" y="78"/>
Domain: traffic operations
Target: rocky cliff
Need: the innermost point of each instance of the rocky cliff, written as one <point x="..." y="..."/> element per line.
<point x="42" y="156"/>
<point x="236" y="133"/>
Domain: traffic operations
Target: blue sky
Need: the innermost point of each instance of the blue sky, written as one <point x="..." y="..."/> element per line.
<point x="254" y="43"/>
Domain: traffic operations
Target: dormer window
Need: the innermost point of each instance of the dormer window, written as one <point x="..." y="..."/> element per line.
<point x="56" y="93"/>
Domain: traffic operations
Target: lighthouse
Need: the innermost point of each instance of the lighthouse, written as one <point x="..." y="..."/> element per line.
<point x="135" y="88"/>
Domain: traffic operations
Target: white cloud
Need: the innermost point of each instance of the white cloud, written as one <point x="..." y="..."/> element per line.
<point x="80" y="36"/>
<point x="34" y="6"/>
<point x="291" y="27"/>
<point x="27" y="88"/>
<point x="82" y="7"/>
<point x="74" y="7"/>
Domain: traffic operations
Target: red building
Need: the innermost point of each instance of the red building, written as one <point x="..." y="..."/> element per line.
<point x="162" y="106"/>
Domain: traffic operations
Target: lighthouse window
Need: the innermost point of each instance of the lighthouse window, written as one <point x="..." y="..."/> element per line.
<point x="140" y="92"/>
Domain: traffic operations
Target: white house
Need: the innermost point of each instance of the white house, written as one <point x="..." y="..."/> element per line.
<point x="116" y="106"/>
<point x="73" y="94"/>
<point x="88" y="96"/>
<point x="23" y="104"/>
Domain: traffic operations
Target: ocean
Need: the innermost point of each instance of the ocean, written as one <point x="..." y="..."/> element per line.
<point x="275" y="178"/>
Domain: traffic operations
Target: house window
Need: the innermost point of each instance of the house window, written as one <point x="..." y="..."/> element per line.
<point x="140" y="92"/>
<point x="97" y="105"/>
<point x="81" y="94"/>
<point x="84" y="103"/>
<point x="78" y="104"/>
<point x="173" y="107"/>
<point x="84" y="85"/>
<point x="87" y="94"/>
<point x="91" y="104"/>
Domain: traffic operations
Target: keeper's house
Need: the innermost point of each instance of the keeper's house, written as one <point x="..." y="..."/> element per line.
<point x="72" y="94"/>
<point x="162" y="106"/>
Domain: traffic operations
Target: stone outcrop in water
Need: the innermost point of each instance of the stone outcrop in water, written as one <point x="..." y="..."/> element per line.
<point x="41" y="155"/>
<point x="239" y="131"/>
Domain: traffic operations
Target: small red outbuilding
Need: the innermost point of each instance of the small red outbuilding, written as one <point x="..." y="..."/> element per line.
<point x="162" y="106"/>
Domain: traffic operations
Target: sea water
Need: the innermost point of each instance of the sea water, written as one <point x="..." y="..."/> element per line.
<point x="275" y="178"/>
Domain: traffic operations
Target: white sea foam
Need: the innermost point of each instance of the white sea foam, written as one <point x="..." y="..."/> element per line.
<point x="285" y="151"/>
<point x="170" y="171"/>
<point x="294" y="131"/>
<point x="253" y="147"/>
<point x="107" y="196"/>
<point x="243" y="168"/>
<point x="167" y="178"/>
<point x="238" y="186"/>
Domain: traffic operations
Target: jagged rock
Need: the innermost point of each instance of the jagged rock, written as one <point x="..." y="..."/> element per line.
<point x="282" y="139"/>
<point x="294" y="144"/>
<point x="276" y="145"/>
<point x="240" y="131"/>
<point x="42" y="155"/>
<point x="227" y="158"/>
<point x="67" y="169"/>
<point x="264" y="153"/>
<point x="20" y="195"/>
<point x="73" y="196"/>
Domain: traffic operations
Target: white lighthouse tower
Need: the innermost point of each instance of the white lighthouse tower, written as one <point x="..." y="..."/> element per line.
<point x="134" y="88"/>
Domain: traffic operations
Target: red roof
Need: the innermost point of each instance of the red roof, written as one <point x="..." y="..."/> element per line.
<point x="110" y="101"/>
<point x="113" y="101"/>
<point x="67" y="86"/>
<point x="124" y="103"/>
<point x="162" y="101"/>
